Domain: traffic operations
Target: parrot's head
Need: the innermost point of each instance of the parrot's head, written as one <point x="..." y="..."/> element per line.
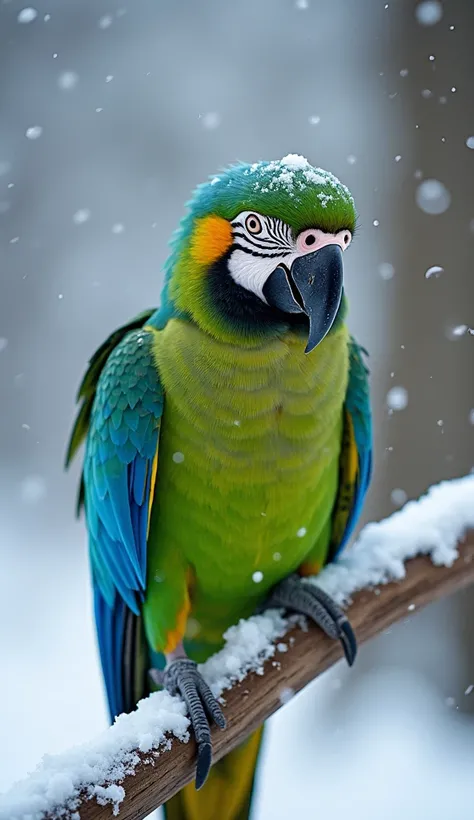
<point x="261" y="250"/>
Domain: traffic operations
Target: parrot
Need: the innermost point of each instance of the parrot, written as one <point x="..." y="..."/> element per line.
<point x="228" y="449"/>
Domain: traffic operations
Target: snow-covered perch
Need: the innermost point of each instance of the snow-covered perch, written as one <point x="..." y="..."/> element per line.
<point x="142" y="760"/>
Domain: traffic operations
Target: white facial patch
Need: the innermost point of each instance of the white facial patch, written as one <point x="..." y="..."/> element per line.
<point x="252" y="272"/>
<point x="261" y="244"/>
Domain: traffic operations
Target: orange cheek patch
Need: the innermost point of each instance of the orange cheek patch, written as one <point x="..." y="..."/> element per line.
<point x="212" y="237"/>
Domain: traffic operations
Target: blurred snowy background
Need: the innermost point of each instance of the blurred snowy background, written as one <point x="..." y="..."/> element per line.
<point x="109" y="115"/>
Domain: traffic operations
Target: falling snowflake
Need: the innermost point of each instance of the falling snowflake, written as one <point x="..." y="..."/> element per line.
<point x="286" y="694"/>
<point x="257" y="577"/>
<point x="33" y="132"/>
<point x="429" y="12"/>
<point x="398" y="497"/>
<point x="314" y="119"/>
<point x="178" y="458"/>
<point x="434" y="272"/>
<point x="68" y="80"/>
<point x="81" y="216"/>
<point x="433" y="197"/>
<point x="33" y="489"/>
<point x="27" y="15"/>
<point x="351" y="159"/>
<point x="301" y="532"/>
<point x="210" y="120"/>
<point x="457" y="331"/>
<point x="193" y="628"/>
<point x="470" y="142"/>
<point x="397" y="398"/>
<point x="118" y="228"/>
<point x="386" y="271"/>
<point x="404" y="72"/>
<point x="105" y="21"/>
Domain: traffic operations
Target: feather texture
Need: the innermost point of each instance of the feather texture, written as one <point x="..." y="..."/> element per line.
<point x="356" y="452"/>
<point x="121" y="447"/>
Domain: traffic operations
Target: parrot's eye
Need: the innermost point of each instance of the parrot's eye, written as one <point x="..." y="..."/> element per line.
<point x="253" y="224"/>
<point x="309" y="240"/>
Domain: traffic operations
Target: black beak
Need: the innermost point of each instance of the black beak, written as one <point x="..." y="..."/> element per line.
<point x="313" y="285"/>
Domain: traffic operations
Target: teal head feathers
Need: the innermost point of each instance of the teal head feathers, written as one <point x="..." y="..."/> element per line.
<point x="259" y="251"/>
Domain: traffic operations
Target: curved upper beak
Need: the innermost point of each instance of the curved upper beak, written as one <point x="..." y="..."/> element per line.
<point x="312" y="285"/>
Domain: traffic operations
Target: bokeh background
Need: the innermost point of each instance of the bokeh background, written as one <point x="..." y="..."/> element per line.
<point x="110" y="114"/>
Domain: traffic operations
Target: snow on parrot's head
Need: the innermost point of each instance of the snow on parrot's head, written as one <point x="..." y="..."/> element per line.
<point x="260" y="251"/>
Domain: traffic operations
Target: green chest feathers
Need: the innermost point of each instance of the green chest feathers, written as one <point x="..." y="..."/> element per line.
<point x="249" y="449"/>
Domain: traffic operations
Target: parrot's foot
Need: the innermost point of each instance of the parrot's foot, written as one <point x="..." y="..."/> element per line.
<point x="307" y="599"/>
<point x="182" y="676"/>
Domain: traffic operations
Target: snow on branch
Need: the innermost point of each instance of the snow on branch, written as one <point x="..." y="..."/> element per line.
<point x="145" y="757"/>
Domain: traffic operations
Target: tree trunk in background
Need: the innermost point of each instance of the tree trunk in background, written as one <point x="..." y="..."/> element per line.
<point x="432" y="438"/>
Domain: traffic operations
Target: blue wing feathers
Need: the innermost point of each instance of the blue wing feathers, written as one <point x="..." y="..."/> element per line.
<point x="121" y="445"/>
<point x="357" y="405"/>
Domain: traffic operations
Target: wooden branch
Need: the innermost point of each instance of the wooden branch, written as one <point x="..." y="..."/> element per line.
<point x="309" y="654"/>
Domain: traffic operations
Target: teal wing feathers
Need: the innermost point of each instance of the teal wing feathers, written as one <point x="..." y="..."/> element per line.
<point x="118" y="479"/>
<point x="87" y="388"/>
<point x="355" y="468"/>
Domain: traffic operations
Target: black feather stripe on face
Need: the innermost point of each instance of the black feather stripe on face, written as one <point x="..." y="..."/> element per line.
<point x="271" y="245"/>
<point x="275" y="235"/>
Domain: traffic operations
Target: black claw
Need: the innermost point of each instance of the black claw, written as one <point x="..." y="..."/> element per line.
<point x="204" y="760"/>
<point x="211" y="704"/>
<point x="316" y="604"/>
<point x="182" y="676"/>
<point x="216" y="714"/>
<point x="349" y="642"/>
<point x="219" y="719"/>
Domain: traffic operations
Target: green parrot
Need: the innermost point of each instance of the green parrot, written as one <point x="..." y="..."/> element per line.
<point x="228" y="448"/>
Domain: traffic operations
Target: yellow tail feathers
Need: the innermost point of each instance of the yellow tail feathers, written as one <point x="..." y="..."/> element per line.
<point x="228" y="790"/>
